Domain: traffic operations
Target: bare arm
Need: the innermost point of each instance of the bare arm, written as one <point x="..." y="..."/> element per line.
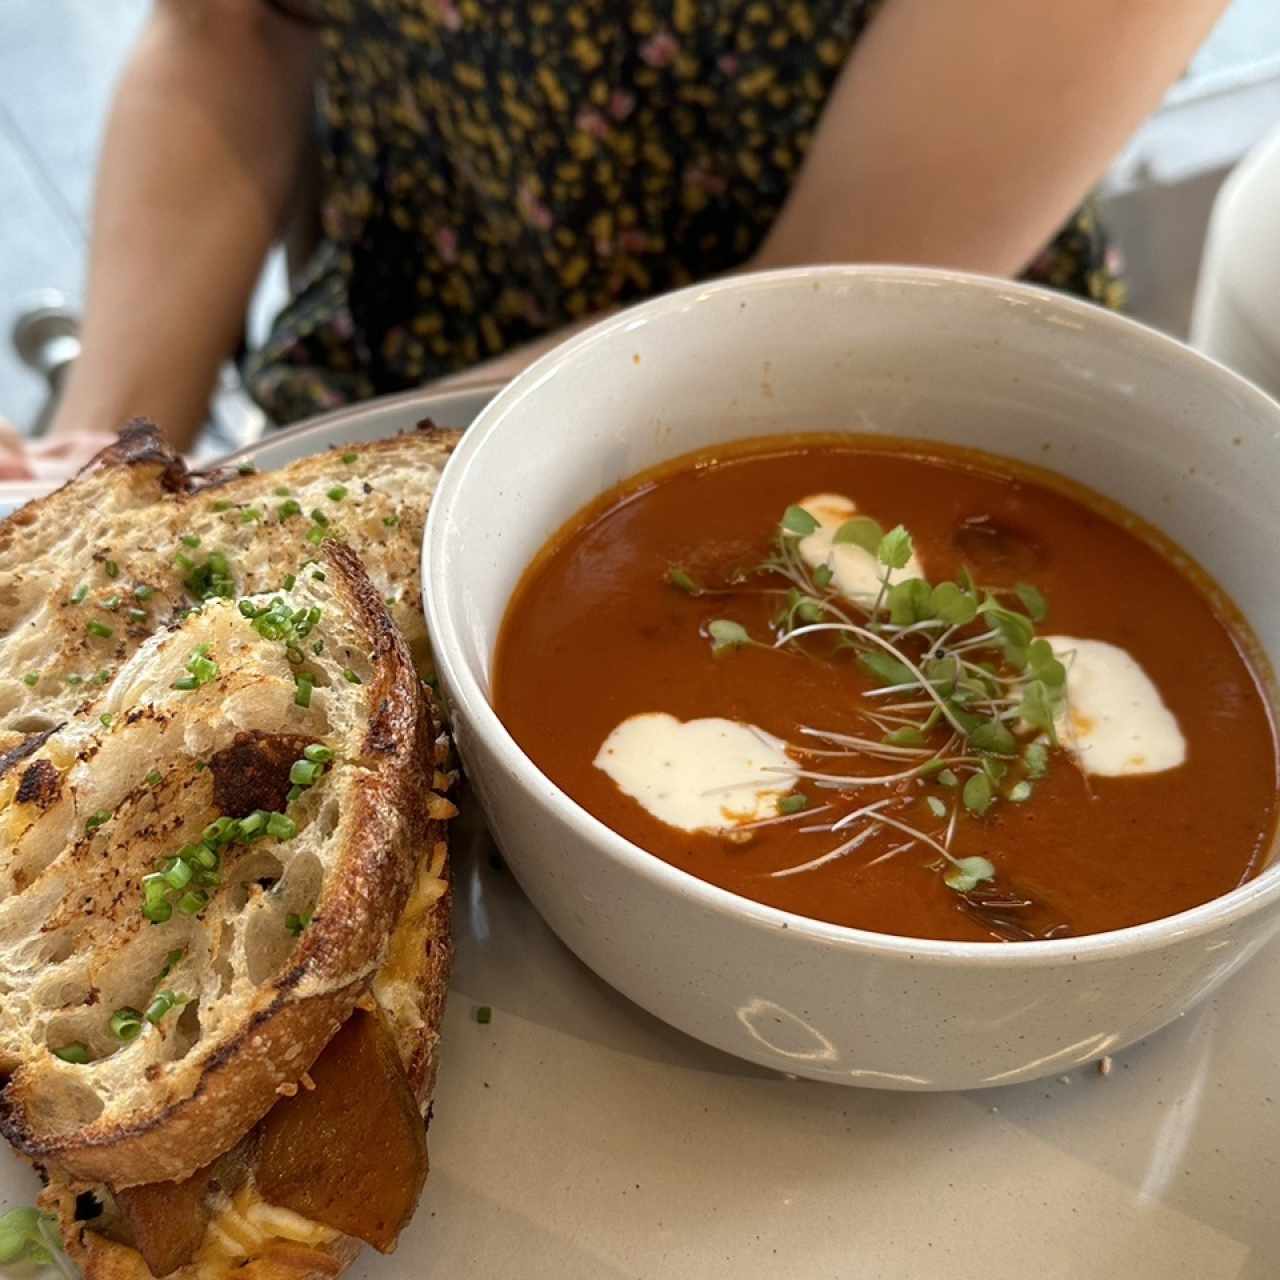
<point x="963" y="134"/>
<point x="200" y="159"/>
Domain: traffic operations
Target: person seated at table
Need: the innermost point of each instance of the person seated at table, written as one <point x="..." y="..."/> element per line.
<point x="479" y="176"/>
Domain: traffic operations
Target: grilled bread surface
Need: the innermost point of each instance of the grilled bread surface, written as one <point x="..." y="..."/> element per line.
<point x="145" y="709"/>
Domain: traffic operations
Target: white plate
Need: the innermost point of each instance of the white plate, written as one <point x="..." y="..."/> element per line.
<point x="576" y="1138"/>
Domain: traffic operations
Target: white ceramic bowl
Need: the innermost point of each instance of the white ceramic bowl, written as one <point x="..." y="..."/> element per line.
<point x="1013" y="370"/>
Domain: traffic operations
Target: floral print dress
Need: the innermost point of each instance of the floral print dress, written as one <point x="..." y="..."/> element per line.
<point x="495" y="170"/>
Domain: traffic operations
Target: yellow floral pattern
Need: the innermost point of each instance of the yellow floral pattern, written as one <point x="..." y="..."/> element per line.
<point x="495" y="170"/>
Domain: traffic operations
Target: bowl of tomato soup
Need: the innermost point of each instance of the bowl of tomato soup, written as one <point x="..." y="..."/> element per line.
<point x="865" y="669"/>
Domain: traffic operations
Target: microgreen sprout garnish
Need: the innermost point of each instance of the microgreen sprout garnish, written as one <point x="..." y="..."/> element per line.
<point x="96" y="820"/>
<point x="76" y="1052"/>
<point x="680" y="578"/>
<point x="726" y="634"/>
<point x="296" y="922"/>
<point x="960" y="697"/>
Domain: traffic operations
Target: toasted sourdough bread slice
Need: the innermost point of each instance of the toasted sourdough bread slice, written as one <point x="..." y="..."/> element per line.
<point x="89" y="571"/>
<point x="135" y="775"/>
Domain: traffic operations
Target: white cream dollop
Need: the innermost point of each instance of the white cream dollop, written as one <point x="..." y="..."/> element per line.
<point x="697" y="775"/>
<point x="855" y="572"/>
<point x="1115" y="722"/>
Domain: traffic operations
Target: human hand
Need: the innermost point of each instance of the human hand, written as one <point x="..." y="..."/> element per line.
<point x="49" y="458"/>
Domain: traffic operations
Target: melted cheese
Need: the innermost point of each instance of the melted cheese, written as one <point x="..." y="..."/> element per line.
<point x="245" y="1225"/>
<point x="1115" y="722"/>
<point x="697" y="775"/>
<point x="855" y="572"/>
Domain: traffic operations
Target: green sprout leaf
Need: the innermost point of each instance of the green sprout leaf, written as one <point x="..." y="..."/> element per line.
<point x="969" y="873"/>
<point x="947" y="778"/>
<point x="1020" y="792"/>
<point x="936" y="807"/>
<point x="727" y="634"/>
<point x="1042" y="665"/>
<point x="677" y="577"/>
<point x="1014" y="629"/>
<point x="861" y="531"/>
<point x="977" y="794"/>
<point x="888" y="670"/>
<point x="942" y="673"/>
<point x="953" y="604"/>
<point x="822" y="576"/>
<point x="895" y="548"/>
<point x="994" y="737"/>
<point x="1036" y="760"/>
<point x="1037" y="708"/>
<point x="994" y="769"/>
<point x="1033" y="601"/>
<point x="907" y="736"/>
<point x="910" y="601"/>
<point x="797" y="520"/>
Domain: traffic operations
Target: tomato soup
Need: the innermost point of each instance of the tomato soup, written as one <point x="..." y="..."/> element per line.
<point x="901" y="687"/>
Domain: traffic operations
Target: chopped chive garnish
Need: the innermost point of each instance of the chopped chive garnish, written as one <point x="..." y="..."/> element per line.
<point x="302" y="694"/>
<point x="94" y="821"/>
<point x="317" y="575"/>
<point x="106" y="718"/>
<point x="31" y="679"/>
<point x="103" y="676"/>
<point x="391" y="521"/>
<point x="77" y="1051"/>
<point x="193" y="902"/>
<point x="100" y="629"/>
<point x="171" y="959"/>
<point x="793" y="803"/>
<point x="290" y="508"/>
<point x="162" y="1002"/>
<point x="136" y="615"/>
<point x="281" y="827"/>
<point x="189" y="540"/>
<point x="303" y="773"/>
<point x="126" y="1024"/>
<point x="222" y="505"/>
<point x="79" y="594"/>
<point x="249" y="515"/>
<point x="337" y="493"/>
<point x="350" y="677"/>
<point x="112" y="569"/>
<point x="290" y="581"/>
<point x="315" y="536"/>
<point x="185" y="563"/>
<point x="348" y="458"/>
<point x="74" y="680"/>
<point x="111" y="603"/>
<point x="246" y="468"/>
<point x="186" y="683"/>
<point x="154" y="779"/>
<point x="319" y="517"/>
<point x="280" y="491"/>
<point x="296" y="922"/>
<point x="318" y="753"/>
<point x="484" y="1014"/>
